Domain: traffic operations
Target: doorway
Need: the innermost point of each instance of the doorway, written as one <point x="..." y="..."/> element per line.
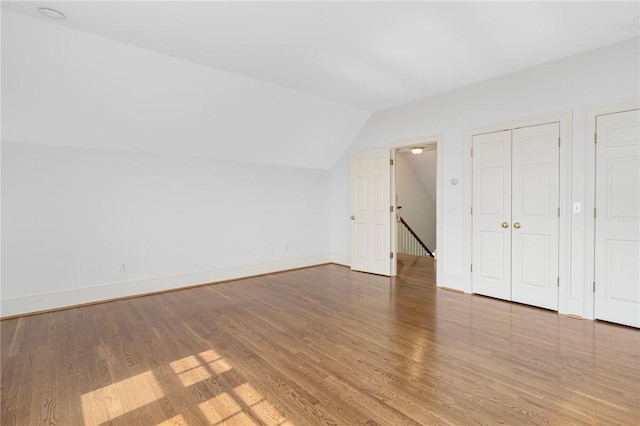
<point x="373" y="218"/>
<point x="416" y="191"/>
<point x="415" y="218"/>
<point x="416" y="195"/>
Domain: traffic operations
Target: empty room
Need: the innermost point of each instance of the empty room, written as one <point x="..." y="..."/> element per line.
<point x="320" y="213"/>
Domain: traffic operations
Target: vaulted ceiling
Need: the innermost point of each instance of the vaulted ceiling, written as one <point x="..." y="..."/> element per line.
<point x="371" y="55"/>
<point x="272" y="82"/>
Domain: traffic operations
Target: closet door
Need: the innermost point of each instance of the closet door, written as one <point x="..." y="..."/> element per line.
<point x="617" y="223"/>
<point x="535" y="215"/>
<point x="516" y="181"/>
<point x="491" y="272"/>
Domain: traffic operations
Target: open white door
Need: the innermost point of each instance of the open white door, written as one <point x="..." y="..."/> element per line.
<point x="371" y="212"/>
<point x="617" y="223"/>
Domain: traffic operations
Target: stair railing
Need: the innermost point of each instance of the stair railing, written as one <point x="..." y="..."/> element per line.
<point x="409" y="242"/>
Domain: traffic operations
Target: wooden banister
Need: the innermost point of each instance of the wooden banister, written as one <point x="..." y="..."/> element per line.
<point x="422" y="244"/>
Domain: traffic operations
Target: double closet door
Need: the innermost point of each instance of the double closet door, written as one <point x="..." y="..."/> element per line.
<point x="516" y="181"/>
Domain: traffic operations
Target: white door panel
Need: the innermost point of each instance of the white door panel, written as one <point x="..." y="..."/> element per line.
<point x="515" y="214"/>
<point x="371" y="217"/>
<point x="492" y="207"/>
<point x="617" y="223"/>
<point x="535" y="201"/>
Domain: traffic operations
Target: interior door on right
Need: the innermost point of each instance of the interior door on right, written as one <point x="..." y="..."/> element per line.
<point x="617" y="223"/>
<point x="535" y="192"/>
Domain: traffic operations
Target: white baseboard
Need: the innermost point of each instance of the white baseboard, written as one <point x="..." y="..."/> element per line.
<point x="454" y="282"/>
<point x="341" y="259"/>
<point x="104" y="292"/>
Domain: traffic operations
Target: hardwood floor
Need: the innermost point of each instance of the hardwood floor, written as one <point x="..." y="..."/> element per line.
<point x="315" y="346"/>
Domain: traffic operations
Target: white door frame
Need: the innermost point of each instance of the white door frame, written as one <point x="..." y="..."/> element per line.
<point x="564" y="252"/>
<point x="422" y="141"/>
<point x="590" y="193"/>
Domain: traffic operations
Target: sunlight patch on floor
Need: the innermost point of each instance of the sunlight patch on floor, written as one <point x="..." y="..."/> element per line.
<point x="226" y="409"/>
<point x="259" y="405"/>
<point x="220" y="408"/>
<point x="120" y="398"/>
<point x="243" y="405"/>
<point x="191" y="369"/>
<point x="217" y="363"/>
<point x="174" y="421"/>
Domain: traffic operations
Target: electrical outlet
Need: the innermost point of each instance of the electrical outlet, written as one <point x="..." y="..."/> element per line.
<point x="123" y="266"/>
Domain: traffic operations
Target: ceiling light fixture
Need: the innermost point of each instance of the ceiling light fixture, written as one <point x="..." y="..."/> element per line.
<point x="417" y="150"/>
<point x="51" y="13"/>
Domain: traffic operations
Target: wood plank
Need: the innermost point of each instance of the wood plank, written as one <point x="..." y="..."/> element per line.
<point x="322" y="345"/>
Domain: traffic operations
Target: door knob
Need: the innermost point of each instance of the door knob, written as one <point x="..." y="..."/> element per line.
<point x="516" y="225"/>
<point x="505" y="225"/>
<point x="353" y="218"/>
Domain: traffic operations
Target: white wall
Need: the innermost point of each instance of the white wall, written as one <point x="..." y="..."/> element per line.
<point x="70" y="216"/>
<point x="418" y="208"/>
<point x="65" y="87"/>
<point x="426" y="167"/>
<point x="115" y="153"/>
<point x="75" y="204"/>
<point x="573" y="83"/>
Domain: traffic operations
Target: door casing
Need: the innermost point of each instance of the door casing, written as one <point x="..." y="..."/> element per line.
<point x="564" y="234"/>
<point x="423" y="141"/>
<point x="587" y="302"/>
<point x="516" y="180"/>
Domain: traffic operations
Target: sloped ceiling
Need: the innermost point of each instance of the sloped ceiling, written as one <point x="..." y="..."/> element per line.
<point x="372" y="55"/>
<point x="65" y="87"/>
<point x="425" y="167"/>
<point x="271" y="82"/>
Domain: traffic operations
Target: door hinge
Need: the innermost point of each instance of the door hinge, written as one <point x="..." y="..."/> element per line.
<point x="595" y="138"/>
<point x="391" y="161"/>
<point x="472" y="267"/>
<point x="558" y="281"/>
<point x="471" y="209"/>
<point x="594" y="212"/>
<point x="391" y="255"/>
<point x="471" y="152"/>
<point x="391" y="209"/>
<point x="594" y="286"/>
<point x="558" y="141"/>
<point x="558" y="211"/>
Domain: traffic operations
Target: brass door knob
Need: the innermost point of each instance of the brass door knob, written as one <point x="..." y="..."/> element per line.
<point x="505" y="225"/>
<point x="353" y="218"/>
<point x="516" y="225"/>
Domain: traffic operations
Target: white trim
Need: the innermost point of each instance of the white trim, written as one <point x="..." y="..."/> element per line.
<point x="340" y="259"/>
<point x="426" y="140"/>
<point x="588" y="304"/>
<point x="105" y="292"/>
<point x="564" y="252"/>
